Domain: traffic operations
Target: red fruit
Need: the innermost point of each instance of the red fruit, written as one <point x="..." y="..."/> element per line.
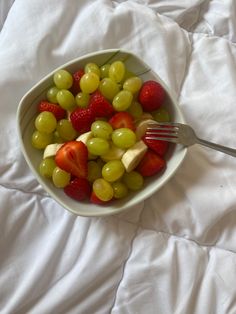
<point x="150" y="164"/>
<point x="122" y="120"/>
<point x="75" y="88"/>
<point x="94" y="199"/>
<point x="78" y="189"/>
<point x="99" y="106"/>
<point x="151" y="95"/>
<point x="72" y="157"/>
<point x="58" y="112"/>
<point x="159" y="147"/>
<point x="82" y="119"/>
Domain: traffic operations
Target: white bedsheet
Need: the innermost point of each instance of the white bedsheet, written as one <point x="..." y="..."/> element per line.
<point x="173" y="254"/>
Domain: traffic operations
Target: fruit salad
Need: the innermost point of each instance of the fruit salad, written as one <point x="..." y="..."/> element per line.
<point x="91" y="130"/>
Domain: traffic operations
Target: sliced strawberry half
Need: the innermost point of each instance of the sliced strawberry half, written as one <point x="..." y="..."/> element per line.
<point x="78" y="189"/>
<point x="122" y="120"/>
<point x="150" y="164"/>
<point x="75" y="88"/>
<point x="82" y="119"/>
<point x="55" y="109"/>
<point x="159" y="147"/>
<point x="72" y="157"/>
<point x="100" y="106"/>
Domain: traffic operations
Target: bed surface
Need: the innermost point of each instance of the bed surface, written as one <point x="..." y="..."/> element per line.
<point x="173" y="253"/>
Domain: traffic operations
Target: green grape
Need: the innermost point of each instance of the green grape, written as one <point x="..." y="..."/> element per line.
<point x="108" y="88"/>
<point x="63" y="79"/>
<point x="161" y="115"/>
<point x="60" y="177"/>
<point x="135" y="109"/>
<point x="57" y="138"/>
<point x="133" y="180"/>
<point x="97" y="146"/>
<point x="66" y="99"/>
<point x="52" y="94"/>
<point x="82" y="100"/>
<point x="120" y="189"/>
<point x="132" y="84"/>
<point x="103" y="189"/>
<point x="113" y="153"/>
<point x="92" y="67"/>
<point x="45" y="122"/>
<point x="89" y="82"/>
<point x="66" y="130"/>
<point x="123" y="138"/>
<point x="94" y="171"/>
<point x="113" y="170"/>
<point x="41" y="140"/>
<point x="122" y="100"/>
<point x="104" y="70"/>
<point x="46" y="167"/>
<point x="117" y="71"/>
<point x="101" y="129"/>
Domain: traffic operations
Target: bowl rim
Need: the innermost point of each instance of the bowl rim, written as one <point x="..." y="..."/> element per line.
<point x="102" y="210"/>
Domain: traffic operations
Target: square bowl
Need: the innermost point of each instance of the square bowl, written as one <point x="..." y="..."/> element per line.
<point x="27" y="111"/>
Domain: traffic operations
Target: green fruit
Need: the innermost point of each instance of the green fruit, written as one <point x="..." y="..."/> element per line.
<point x="103" y="190"/>
<point x="63" y="79"/>
<point x="46" y="167"/>
<point x="123" y="138"/>
<point x="133" y="180"/>
<point x="113" y="170"/>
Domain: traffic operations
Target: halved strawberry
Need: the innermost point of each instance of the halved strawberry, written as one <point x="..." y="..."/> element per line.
<point x="122" y="120"/>
<point x="100" y="106"/>
<point x="150" y="164"/>
<point x="151" y="95"/>
<point x="159" y="147"/>
<point x="55" y="109"/>
<point x="78" y="189"/>
<point x="72" y="157"/>
<point x="75" y="88"/>
<point x="82" y="119"/>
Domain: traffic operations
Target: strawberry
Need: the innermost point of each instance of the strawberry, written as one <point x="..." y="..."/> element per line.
<point x="58" y="112"/>
<point x="150" y="164"/>
<point x="82" y="119"/>
<point x="72" y="157"/>
<point x="159" y="147"/>
<point x="78" y="189"/>
<point x="99" y="106"/>
<point x="122" y="120"/>
<point x="75" y="88"/>
<point x="151" y="95"/>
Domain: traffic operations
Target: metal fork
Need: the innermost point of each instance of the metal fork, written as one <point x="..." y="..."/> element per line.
<point x="181" y="134"/>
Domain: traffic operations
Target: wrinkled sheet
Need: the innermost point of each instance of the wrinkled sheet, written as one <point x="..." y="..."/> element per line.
<point x="174" y="253"/>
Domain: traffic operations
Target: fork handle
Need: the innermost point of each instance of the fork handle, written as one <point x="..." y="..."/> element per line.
<point x="221" y="148"/>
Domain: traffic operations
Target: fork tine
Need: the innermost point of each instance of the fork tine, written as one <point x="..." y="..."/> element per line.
<point x="167" y="139"/>
<point x="163" y="131"/>
<point x="157" y="128"/>
<point x="170" y="134"/>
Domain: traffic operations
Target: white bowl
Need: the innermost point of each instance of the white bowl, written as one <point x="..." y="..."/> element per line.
<point x="27" y="110"/>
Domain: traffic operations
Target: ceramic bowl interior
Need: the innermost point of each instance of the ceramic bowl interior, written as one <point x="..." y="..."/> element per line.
<point x="27" y="111"/>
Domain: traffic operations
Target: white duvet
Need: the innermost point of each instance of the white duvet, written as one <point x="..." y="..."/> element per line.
<point x="173" y="254"/>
